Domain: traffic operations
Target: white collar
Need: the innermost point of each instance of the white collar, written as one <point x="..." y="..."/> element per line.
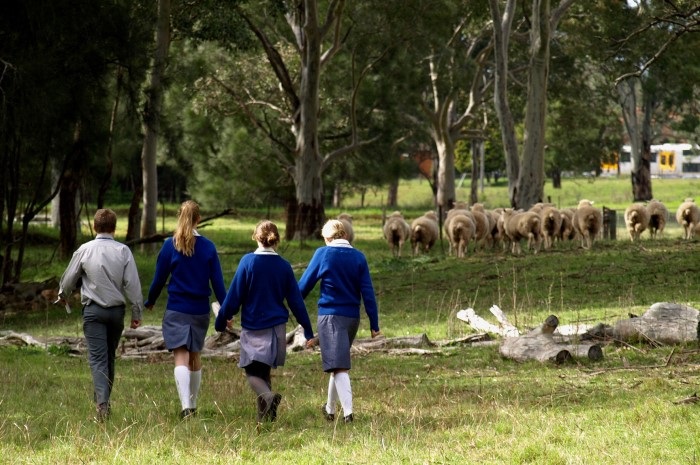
<point x="265" y="251"/>
<point x="195" y="233"/>
<point x="339" y="243"/>
<point x="104" y="236"/>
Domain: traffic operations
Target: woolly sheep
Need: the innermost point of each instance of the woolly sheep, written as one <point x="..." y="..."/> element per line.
<point x="521" y="225"/>
<point x="550" y="224"/>
<point x="658" y="215"/>
<point x="636" y="220"/>
<point x="424" y="232"/>
<point x="481" y="224"/>
<point x="588" y="222"/>
<point x="688" y="216"/>
<point x="346" y="219"/>
<point x="567" y="231"/>
<point x="396" y="232"/>
<point x="480" y="220"/>
<point x="492" y="236"/>
<point x="460" y="231"/>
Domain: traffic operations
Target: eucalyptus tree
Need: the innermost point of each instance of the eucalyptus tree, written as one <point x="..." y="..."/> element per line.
<point x="525" y="169"/>
<point x="457" y="45"/>
<point x="655" y="57"/>
<point x="302" y="86"/>
<point x="298" y="56"/>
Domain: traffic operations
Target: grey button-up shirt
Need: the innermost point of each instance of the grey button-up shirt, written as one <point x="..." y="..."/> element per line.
<point x="109" y="274"/>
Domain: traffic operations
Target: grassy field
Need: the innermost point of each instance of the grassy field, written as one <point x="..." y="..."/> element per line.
<point x="455" y="405"/>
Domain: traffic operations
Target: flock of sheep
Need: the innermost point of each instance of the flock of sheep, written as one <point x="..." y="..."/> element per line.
<point x="540" y="226"/>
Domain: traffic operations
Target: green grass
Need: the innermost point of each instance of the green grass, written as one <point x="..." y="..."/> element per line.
<point x="456" y="405"/>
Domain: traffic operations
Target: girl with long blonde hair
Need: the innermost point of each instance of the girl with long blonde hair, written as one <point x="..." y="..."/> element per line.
<point x="192" y="263"/>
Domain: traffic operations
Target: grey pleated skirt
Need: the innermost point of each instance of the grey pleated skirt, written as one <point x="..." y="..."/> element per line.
<point x="182" y="329"/>
<point x="268" y="346"/>
<point x="335" y="336"/>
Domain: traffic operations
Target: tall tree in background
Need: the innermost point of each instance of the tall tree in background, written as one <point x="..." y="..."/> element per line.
<point x="293" y="98"/>
<point x="151" y="121"/>
<point x="458" y="62"/>
<point x="653" y="42"/>
<point x="526" y="176"/>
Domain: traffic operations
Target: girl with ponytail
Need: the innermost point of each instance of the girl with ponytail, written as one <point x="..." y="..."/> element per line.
<point x="192" y="263"/>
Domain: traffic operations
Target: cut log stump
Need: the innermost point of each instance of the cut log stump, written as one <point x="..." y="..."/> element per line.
<point x="539" y="344"/>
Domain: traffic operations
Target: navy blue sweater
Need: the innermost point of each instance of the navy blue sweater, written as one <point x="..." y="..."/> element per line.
<point x="263" y="281"/>
<point x="344" y="277"/>
<point x="188" y="289"/>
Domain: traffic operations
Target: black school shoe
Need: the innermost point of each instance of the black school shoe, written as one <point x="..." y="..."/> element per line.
<point x="103" y="412"/>
<point x="349" y="418"/>
<point x="188" y="413"/>
<point x="276" y="399"/>
<point x="326" y="415"/>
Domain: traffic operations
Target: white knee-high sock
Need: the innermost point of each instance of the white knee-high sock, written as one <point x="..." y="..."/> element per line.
<point x="182" y="381"/>
<point x="332" y="395"/>
<point x="195" y="383"/>
<point x="342" y="385"/>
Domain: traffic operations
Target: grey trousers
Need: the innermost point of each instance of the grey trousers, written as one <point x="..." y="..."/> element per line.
<point x="103" y="329"/>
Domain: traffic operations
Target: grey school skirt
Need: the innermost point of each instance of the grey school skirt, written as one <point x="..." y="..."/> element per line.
<point x="183" y="329"/>
<point x="268" y="346"/>
<point x="335" y="336"/>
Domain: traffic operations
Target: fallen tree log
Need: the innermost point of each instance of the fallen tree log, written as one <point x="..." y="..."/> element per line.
<point x="539" y="344"/>
<point x="663" y="323"/>
<point x="146" y="343"/>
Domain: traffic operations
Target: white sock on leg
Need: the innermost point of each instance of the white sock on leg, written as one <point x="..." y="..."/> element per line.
<point x="182" y="381"/>
<point x="332" y="396"/>
<point x="342" y="386"/>
<point x="195" y="383"/>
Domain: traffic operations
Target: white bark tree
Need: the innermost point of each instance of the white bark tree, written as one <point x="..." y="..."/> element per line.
<point x="316" y="41"/>
<point x="525" y="176"/>
<point x="446" y="124"/>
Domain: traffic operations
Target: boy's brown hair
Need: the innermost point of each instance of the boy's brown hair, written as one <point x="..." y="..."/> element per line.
<point x="105" y="221"/>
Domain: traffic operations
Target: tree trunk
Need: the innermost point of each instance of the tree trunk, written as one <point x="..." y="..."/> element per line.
<point x="134" y="219"/>
<point x="641" y="177"/>
<point x="151" y="121"/>
<point x="556" y="178"/>
<point x="531" y="180"/>
<point x="309" y="164"/>
<point x="68" y="213"/>
<point x="640" y="137"/>
<point x="11" y="161"/>
<point x="109" y="163"/>
<point x="501" y="35"/>
<point x="393" y="195"/>
<point x="446" y="171"/>
<point x="477" y="145"/>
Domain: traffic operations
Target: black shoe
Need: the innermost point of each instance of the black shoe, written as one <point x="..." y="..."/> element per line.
<point x="276" y="399"/>
<point x="263" y="408"/>
<point x="187" y="413"/>
<point x="103" y="412"/>
<point x="349" y="418"/>
<point x="326" y="415"/>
